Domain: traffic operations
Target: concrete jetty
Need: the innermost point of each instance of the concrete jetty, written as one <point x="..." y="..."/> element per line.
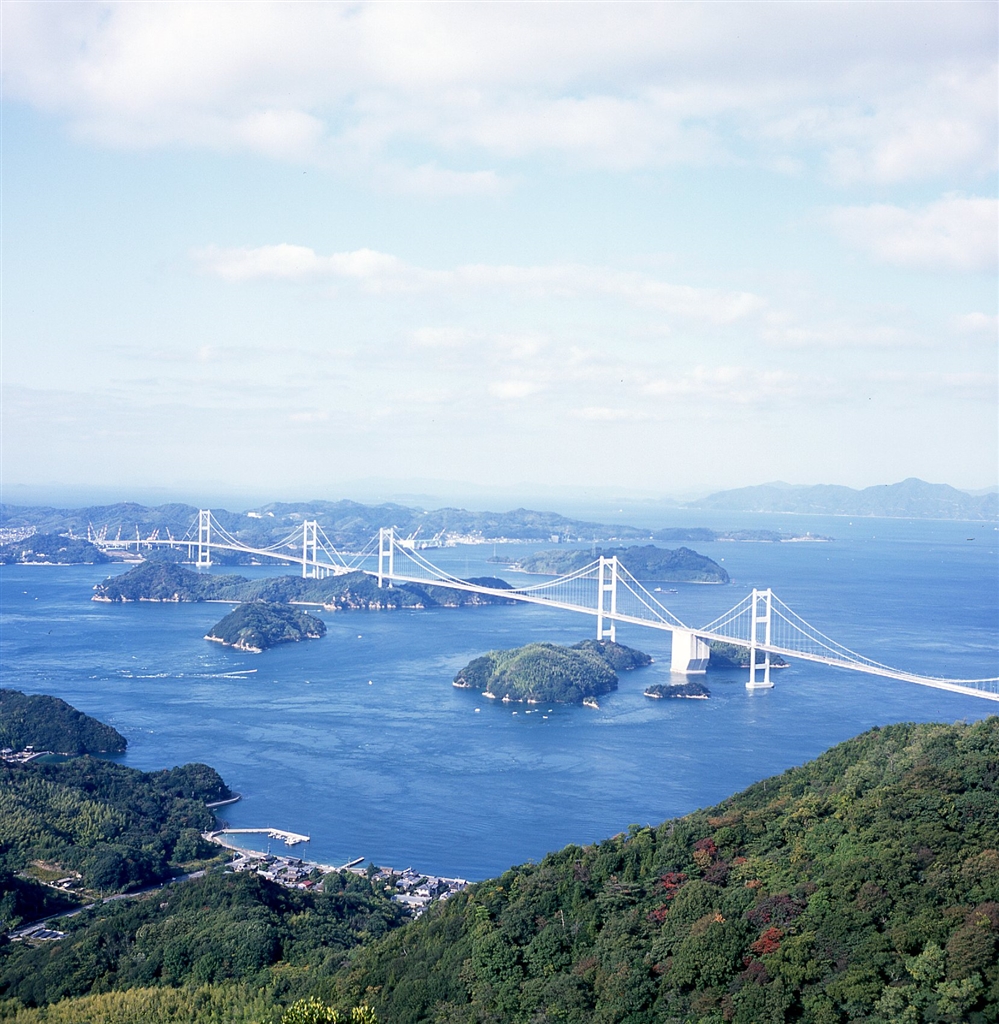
<point x="288" y="838"/>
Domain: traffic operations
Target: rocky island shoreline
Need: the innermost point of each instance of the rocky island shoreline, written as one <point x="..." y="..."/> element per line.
<point x="544" y="672"/>
<point x="257" y="625"/>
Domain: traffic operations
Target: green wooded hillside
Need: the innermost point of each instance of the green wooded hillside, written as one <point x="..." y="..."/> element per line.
<point x="863" y="886"/>
<point x="48" y="723"/>
<point x="114" y="826"/>
<point x="217" y="930"/>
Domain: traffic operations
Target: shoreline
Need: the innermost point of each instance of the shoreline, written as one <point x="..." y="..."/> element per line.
<point x="222" y="803"/>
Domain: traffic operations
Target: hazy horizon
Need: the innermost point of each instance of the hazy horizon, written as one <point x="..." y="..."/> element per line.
<point x="571" y="501"/>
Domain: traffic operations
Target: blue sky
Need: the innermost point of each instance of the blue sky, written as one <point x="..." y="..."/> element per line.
<point x="669" y="248"/>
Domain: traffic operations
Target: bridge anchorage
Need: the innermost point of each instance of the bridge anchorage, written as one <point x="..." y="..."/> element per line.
<point x="760" y="622"/>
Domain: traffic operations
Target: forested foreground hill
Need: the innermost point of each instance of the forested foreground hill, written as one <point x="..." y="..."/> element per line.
<point x="108" y="826"/>
<point x="861" y="886"/>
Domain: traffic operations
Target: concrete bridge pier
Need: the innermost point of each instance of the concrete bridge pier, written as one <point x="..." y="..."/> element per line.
<point x="690" y="653"/>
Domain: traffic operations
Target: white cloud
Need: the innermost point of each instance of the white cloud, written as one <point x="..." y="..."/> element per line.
<point x="608" y="414"/>
<point x="977" y="323"/>
<point x="383" y="272"/>
<point x="961" y="385"/>
<point x="432" y="180"/>
<point x="737" y="385"/>
<point x="942" y="124"/>
<point x="877" y="91"/>
<point x="441" y="337"/>
<point x="842" y="335"/>
<point x="513" y="390"/>
<point x="297" y="262"/>
<point x="954" y="233"/>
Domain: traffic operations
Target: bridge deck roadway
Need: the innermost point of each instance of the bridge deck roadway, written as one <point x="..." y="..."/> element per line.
<point x="955" y="686"/>
<point x="908" y="677"/>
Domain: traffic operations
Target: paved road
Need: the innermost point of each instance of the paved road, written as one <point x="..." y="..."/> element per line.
<point x="19" y="933"/>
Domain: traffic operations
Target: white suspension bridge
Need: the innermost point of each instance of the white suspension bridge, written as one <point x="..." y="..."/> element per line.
<point x="604" y="589"/>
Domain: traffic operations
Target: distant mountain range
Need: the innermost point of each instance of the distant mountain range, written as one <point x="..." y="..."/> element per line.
<point x="350" y="524"/>
<point x="910" y="499"/>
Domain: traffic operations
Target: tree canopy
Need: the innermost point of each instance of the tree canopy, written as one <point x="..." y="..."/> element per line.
<point x="48" y="723"/>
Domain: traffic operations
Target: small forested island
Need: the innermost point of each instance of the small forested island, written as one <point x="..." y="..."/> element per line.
<point x="158" y="580"/>
<point x="257" y="625"/>
<point x="51" y="549"/>
<point x="48" y="723"/>
<point x="736" y="656"/>
<point x="690" y="690"/>
<point x="549" y="672"/>
<point x="645" y="562"/>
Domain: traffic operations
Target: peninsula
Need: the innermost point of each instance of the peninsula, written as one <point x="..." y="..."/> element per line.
<point x="51" y="549"/>
<point x="256" y="625"/>
<point x="48" y="723"/>
<point x="549" y="672"/>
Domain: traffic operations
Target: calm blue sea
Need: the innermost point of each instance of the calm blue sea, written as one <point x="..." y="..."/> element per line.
<point x="360" y="741"/>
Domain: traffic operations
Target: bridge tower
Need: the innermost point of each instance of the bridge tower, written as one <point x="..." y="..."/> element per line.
<point x="204" y="538"/>
<point x="761" y="599"/>
<point x="607" y="599"/>
<point x="689" y="654"/>
<point x="386" y="555"/>
<point x="310" y="564"/>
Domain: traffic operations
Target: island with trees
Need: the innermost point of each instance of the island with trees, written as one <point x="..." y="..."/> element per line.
<point x="51" y="549"/>
<point x="725" y="655"/>
<point x="257" y="625"/>
<point x="48" y="723"/>
<point x="544" y="672"/>
<point x="161" y="580"/>
<point x="644" y="562"/>
<point x="690" y="690"/>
